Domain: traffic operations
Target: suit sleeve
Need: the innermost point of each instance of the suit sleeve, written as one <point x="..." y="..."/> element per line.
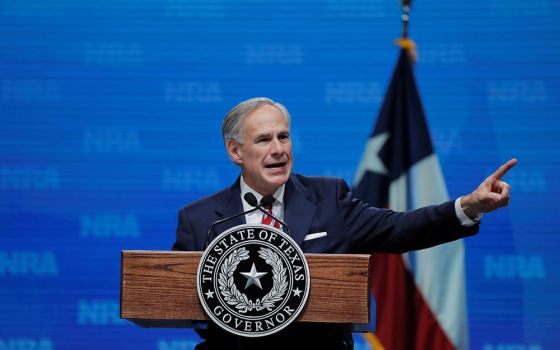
<point x="184" y="233"/>
<point x="372" y="229"/>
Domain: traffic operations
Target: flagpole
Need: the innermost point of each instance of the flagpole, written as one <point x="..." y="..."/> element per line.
<point x="404" y="42"/>
<point x="405" y="17"/>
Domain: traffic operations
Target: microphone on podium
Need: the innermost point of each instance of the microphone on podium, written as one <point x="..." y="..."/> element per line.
<point x="266" y="200"/>
<point x="252" y="200"/>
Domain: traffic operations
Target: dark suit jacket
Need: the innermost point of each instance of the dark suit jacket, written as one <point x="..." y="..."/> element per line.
<point x="320" y="204"/>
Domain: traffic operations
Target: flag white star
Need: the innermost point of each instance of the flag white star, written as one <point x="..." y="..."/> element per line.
<point x="370" y="159"/>
<point x="253" y="277"/>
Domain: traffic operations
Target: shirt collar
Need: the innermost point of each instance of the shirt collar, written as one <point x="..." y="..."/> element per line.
<point x="278" y="195"/>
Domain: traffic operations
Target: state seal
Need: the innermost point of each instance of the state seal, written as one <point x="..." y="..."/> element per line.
<point x="253" y="280"/>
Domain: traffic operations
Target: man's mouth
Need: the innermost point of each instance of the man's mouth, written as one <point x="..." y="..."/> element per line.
<point x="275" y="165"/>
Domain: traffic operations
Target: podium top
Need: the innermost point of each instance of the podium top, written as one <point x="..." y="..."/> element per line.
<point x="158" y="288"/>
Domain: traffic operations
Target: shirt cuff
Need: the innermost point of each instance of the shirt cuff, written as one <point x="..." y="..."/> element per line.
<point x="463" y="218"/>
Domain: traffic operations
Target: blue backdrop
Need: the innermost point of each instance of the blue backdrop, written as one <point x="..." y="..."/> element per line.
<point x="110" y="121"/>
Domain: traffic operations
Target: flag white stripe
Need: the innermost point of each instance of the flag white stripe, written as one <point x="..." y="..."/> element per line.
<point x="438" y="271"/>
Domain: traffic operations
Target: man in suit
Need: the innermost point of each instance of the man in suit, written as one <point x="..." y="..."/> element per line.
<point x="321" y="212"/>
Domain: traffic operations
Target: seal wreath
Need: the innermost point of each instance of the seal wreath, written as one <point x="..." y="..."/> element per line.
<point x="238" y="299"/>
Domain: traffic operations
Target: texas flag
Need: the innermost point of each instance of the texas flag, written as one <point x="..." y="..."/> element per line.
<point x="421" y="298"/>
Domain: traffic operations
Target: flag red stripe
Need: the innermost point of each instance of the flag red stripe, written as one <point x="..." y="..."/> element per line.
<point x="405" y="320"/>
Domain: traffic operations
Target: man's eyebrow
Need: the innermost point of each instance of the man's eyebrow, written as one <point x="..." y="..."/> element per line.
<point x="264" y="134"/>
<point x="269" y="134"/>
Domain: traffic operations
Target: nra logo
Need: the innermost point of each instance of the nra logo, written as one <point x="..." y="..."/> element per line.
<point x="30" y="9"/>
<point x="30" y="90"/>
<point x="26" y="344"/>
<point x="99" y="312"/>
<point x="352" y="92"/>
<point x="514" y="8"/>
<point x="517" y="91"/>
<point x="190" y="179"/>
<point x="274" y="54"/>
<point x="192" y="91"/>
<point x="28" y="264"/>
<point x="509" y="267"/>
<point x="29" y="178"/>
<point x="358" y="9"/>
<point x="448" y="142"/>
<point x="113" y="53"/>
<point x="109" y="225"/>
<point x="112" y="140"/>
<point x="194" y="9"/>
<point x="442" y="53"/>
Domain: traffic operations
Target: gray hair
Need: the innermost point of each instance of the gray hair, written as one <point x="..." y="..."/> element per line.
<point x="232" y="126"/>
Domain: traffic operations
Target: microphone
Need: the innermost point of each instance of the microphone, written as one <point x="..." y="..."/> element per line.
<point x="266" y="200"/>
<point x="249" y="197"/>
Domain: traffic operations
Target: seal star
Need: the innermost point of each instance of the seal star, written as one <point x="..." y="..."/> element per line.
<point x="370" y="159"/>
<point x="253" y="277"/>
<point x="209" y="294"/>
<point x="297" y="292"/>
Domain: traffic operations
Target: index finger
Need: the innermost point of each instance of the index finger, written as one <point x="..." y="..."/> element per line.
<point x="498" y="174"/>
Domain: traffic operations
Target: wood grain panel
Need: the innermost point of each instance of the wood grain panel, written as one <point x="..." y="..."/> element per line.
<point x="161" y="285"/>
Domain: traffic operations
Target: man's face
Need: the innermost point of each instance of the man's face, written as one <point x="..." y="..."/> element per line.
<point x="266" y="153"/>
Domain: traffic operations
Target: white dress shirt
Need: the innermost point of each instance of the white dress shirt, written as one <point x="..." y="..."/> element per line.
<point x="256" y="216"/>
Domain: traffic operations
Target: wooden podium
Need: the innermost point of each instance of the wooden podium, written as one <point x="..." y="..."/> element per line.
<point x="158" y="289"/>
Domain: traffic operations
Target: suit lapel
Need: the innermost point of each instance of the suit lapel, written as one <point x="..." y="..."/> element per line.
<point x="299" y="209"/>
<point x="229" y="206"/>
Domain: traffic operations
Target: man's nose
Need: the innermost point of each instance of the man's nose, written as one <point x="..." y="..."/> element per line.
<point x="276" y="146"/>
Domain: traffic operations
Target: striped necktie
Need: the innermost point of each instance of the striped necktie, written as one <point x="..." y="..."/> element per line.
<point x="267" y="219"/>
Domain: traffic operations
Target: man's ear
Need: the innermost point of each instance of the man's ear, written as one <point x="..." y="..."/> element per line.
<point x="234" y="152"/>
